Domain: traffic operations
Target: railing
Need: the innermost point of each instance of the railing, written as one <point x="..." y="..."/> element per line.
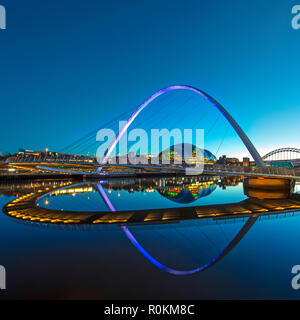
<point x="265" y="171"/>
<point x="272" y="171"/>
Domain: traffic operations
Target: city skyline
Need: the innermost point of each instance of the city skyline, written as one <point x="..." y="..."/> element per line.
<point x="254" y="75"/>
<point x="150" y="156"/>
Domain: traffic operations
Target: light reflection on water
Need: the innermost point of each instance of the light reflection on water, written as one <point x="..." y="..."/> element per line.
<point x="48" y="262"/>
<point x="144" y="194"/>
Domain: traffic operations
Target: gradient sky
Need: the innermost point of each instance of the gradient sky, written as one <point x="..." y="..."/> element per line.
<point x="68" y="66"/>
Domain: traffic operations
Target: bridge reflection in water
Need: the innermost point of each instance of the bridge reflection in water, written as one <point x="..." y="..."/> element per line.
<point x="26" y="208"/>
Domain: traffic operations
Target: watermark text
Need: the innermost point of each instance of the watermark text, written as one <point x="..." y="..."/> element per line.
<point x="296" y="18"/>
<point x="296" y="279"/>
<point x="2" y="18"/>
<point x="2" y="278"/>
<point x="162" y="147"/>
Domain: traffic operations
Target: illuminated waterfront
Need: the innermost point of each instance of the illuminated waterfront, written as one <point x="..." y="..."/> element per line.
<point x="149" y="150"/>
<point x="100" y="254"/>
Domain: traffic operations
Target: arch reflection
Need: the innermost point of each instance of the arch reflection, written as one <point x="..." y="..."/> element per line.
<point x="25" y="208"/>
<point x="176" y="272"/>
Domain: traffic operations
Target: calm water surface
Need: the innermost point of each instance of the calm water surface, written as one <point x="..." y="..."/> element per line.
<point x="101" y="262"/>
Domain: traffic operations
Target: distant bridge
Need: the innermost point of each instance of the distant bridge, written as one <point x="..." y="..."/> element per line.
<point x="283" y="154"/>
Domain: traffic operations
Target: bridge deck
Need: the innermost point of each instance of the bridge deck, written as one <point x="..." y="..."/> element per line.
<point x="25" y="208"/>
<point x="84" y="168"/>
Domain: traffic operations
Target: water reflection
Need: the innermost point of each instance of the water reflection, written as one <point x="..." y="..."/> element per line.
<point x="142" y="201"/>
<point x="186" y="194"/>
<point x="250" y="222"/>
<point x="143" y="194"/>
<point x="164" y="202"/>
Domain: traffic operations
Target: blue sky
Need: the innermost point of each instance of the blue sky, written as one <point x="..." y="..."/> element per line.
<point x="67" y="66"/>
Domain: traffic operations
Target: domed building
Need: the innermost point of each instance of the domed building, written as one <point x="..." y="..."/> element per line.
<point x="186" y="154"/>
<point x="187" y="193"/>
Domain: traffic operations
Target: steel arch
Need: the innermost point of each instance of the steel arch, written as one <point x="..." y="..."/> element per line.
<point x="280" y="150"/>
<point x="252" y="150"/>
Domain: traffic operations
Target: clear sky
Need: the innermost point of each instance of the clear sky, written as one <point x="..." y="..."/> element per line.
<point x="67" y="65"/>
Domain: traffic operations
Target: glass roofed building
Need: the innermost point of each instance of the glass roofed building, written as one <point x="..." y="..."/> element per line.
<point x="186" y="154"/>
<point x="187" y="193"/>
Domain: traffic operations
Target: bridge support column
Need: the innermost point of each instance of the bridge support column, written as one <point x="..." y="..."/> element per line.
<point x="268" y="188"/>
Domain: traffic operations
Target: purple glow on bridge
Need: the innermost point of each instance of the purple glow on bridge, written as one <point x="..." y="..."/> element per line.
<point x="233" y="123"/>
<point x="105" y="197"/>
<point x="141" y="108"/>
<point x="145" y="253"/>
<point x="159" y="265"/>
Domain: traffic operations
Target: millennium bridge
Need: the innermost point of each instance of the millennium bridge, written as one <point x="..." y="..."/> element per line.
<point x="89" y="167"/>
<point x="84" y="166"/>
<point x="259" y="179"/>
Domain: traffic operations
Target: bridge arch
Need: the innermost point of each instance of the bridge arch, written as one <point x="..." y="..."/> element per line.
<point x="280" y="150"/>
<point x="239" y="236"/>
<point x="252" y="150"/>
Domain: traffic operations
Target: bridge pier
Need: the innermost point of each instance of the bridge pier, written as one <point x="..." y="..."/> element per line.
<point x="268" y="188"/>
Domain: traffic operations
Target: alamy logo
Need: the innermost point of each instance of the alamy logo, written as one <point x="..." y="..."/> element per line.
<point x="2" y="17"/>
<point x="182" y="152"/>
<point x="296" y="18"/>
<point x="2" y="278"/>
<point x="296" y="279"/>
